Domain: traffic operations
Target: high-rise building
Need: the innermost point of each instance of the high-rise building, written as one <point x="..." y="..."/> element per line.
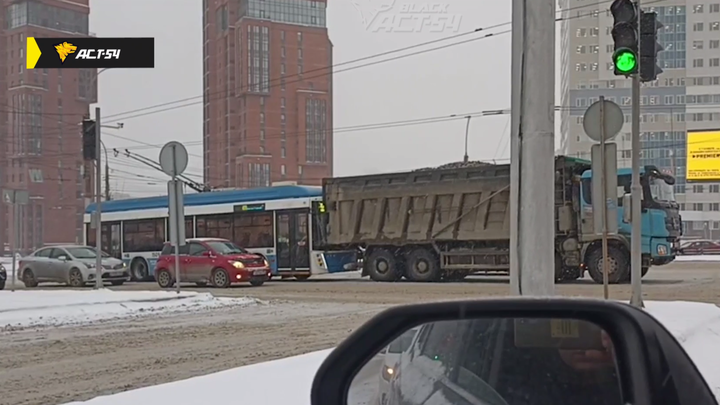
<point x="40" y="112"/>
<point x="267" y="92"/>
<point x="685" y="97"/>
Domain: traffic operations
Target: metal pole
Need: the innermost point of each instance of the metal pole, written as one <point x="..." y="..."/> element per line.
<point x="636" y="191"/>
<point x="16" y="236"/>
<point x="467" y="133"/>
<point x="107" y="175"/>
<point x="98" y="202"/>
<point x="177" y="222"/>
<point x="533" y="110"/>
<point x="603" y="177"/>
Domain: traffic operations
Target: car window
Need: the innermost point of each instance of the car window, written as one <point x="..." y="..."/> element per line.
<point x="171" y="250"/>
<point x="196" y="249"/>
<point x="167" y="249"/>
<point x="402" y="343"/>
<point x="496" y="369"/>
<point x="441" y="342"/>
<point x="225" y="248"/>
<point x="82" y="252"/>
<point x="43" y="253"/>
<point x="56" y="253"/>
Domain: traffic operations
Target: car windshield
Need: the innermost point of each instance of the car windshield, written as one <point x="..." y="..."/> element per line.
<point x="84" y="252"/>
<point x="225" y="248"/>
<point x="661" y="191"/>
<point x="401" y="344"/>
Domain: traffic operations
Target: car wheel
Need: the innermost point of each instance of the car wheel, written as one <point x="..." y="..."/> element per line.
<point x="164" y="278"/>
<point x="29" y="279"/>
<point x="220" y="278"/>
<point x="75" y="278"/>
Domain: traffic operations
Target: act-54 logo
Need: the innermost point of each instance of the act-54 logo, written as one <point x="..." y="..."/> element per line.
<point x="89" y="53"/>
<point x="64" y="49"/>
<point x="409" y="16"/>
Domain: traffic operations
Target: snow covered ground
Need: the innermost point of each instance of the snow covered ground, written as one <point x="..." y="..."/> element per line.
<point x="56" y="308"/>
<point x="696" y="326"/>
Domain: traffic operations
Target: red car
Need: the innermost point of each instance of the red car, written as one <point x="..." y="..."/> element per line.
<point x="700" y="247"/>
<point x="214" y="261"/>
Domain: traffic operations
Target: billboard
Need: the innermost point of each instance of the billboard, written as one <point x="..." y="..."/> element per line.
<point x="703" y="155"/>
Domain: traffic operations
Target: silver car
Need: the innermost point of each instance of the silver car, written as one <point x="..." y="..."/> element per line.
<point x="71" y="264"/>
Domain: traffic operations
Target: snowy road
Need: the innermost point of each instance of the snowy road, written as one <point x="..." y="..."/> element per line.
<point x="47" y="366"/>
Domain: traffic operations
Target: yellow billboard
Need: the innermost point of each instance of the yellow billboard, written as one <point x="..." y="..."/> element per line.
<point x="703" y="155"/>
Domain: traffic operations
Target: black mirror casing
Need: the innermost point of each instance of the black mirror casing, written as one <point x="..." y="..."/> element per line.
<point x="655" y="369"/>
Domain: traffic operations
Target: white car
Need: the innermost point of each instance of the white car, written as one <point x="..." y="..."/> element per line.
<point x="391" y="359"/>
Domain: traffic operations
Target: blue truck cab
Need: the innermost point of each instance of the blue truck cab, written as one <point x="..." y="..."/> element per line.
<point x="660" y="218"/>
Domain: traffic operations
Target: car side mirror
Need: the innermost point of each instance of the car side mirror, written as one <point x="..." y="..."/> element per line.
<point x="63" y="258"/>
<point x="627" y="208"/>
<point x="208" y="253"/>
<point x="502" y="347"/>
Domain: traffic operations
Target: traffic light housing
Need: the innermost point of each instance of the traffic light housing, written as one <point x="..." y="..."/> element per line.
<point x="89" y="140"/>
<point x="649" y="46"/>
<point x="625" y="36"/>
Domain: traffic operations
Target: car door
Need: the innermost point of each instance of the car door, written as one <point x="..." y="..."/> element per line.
<point x="199" y="265"/>
<point x="58" y="265"/>
<point x="39" y="263"/>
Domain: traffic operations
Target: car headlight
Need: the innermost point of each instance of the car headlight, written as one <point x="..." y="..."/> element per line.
<point x="267" y="264"/>
<point x="387" y="373"/>
<point x="662" y="250"/>
<point x="238" y="265"/>
<point x="90" y="265"/>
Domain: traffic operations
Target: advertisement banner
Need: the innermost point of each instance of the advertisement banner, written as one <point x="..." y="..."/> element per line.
<point x="703" y="155"/>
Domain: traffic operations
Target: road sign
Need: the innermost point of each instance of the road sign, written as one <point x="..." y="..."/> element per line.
<point x="176" y="215"/>
<point x="613" y="116"/>
<point x="173" y="158"/>
<point x="606" y="168"/>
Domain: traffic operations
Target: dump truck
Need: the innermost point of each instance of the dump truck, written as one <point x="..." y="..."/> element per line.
<point x="450" y="222"/>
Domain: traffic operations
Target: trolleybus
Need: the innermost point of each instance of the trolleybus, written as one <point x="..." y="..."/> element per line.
<point x="283" y="223"/>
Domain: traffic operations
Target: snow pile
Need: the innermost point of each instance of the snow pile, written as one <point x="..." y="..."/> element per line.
<point x="56" y="308"/>
<point x="695" y="325"/>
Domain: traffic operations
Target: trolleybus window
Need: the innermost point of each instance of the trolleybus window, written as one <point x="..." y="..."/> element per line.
<point x="144" y="235"/>
<point x="248" y="230"/>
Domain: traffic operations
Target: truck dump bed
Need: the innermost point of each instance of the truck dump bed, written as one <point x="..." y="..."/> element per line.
<point x="460" y="204"/>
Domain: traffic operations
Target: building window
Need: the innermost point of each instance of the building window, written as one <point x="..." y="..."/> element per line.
<point x="697" y="27"/>
<point x="697" y="63"/>
<point x="698" y="188"/>
<point x="259" y="174"/>
<point x="316" y="127"/>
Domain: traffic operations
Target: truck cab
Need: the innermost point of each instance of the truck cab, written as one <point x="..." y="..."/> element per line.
<point x="660" y="218"/>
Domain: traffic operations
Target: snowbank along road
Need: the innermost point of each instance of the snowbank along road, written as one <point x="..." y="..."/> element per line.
<point x="56" y="365"/>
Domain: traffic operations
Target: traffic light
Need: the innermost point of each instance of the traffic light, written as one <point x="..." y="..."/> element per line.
<point x="89" y="139"/>
<point x="625" y="35"/>
<point x="649" y="46"/>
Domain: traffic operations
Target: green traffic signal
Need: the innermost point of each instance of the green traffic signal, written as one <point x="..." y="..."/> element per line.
<point x="625" y="61"/>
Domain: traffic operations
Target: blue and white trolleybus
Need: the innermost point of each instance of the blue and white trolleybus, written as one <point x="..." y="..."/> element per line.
<point x="282" y="223"/>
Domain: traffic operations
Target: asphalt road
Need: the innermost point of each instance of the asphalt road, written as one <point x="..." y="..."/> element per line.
<point x="48" y="366"/>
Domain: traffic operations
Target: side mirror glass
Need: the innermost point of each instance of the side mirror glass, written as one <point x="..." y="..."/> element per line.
<point x="510" y="351"/>
<point x="627" y="208"/>
<point x="63" y="258"/>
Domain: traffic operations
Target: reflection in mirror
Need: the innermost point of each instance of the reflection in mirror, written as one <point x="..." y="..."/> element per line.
<point x="490" y="361"/>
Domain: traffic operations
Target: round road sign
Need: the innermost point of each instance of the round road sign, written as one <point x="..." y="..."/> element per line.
<point x="173" y="158"/>
<point x="614" y="120"/>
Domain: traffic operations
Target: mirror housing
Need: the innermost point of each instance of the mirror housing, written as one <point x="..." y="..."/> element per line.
<point x="63" y="258"/>
<point x="653" y="365"/>
<point x="627" y="208"/>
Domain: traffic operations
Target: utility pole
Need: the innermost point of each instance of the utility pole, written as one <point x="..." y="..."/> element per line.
<point x="98" y="202"/>
<point x="467" y="133"/>
<point x="107" y="177"/>
<point x="532" y="197"/>
<point x="636" y="194"/>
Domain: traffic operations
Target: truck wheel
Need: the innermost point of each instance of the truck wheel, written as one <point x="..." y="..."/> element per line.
<point x="422" y="265"/>
<point x="382" y="266"/>
<point x="619" y="266"/>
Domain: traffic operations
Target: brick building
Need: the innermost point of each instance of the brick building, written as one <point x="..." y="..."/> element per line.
<point x="267" y="92"/>
<point x="40" y="112"/>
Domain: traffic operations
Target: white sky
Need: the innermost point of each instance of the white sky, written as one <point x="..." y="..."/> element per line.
<point x="460" y="79"/>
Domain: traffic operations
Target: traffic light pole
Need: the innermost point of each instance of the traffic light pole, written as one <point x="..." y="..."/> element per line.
<point x="532" y="163"/>
<point x="636" y="193"/>
<point x="98" y="202"/>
